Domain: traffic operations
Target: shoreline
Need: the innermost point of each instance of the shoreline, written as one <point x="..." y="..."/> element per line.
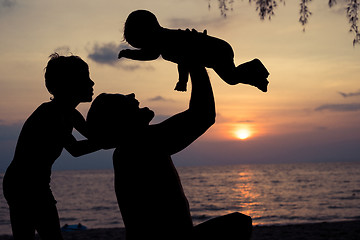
<point x="349" y="230"/>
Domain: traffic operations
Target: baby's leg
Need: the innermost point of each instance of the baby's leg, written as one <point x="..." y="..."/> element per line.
<point x="183" y="78"/>
<point x="253" y="73"/>
<point x="234" y="226"/>
<point x="227" y="71"/>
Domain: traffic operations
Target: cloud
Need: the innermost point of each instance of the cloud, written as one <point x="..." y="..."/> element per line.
<point x="160" y="99"/>
<point x="350" y="107"/>
<point x="181" y="22"/>
<point x="321" y="128"/>
<point x="199" y="24"/>
<point x="107" y="54"/>
<point x="353" y="94"/>
<point x="8" y="3"/>
<point x="245" y="121"/>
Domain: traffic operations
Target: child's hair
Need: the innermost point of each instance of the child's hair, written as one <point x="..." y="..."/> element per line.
<point x="62" y="70"/>
<point x="140" y="24"/>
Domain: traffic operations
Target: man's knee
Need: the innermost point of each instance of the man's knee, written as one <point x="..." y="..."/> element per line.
<point x="239" y="217"/>
<point x="240" y="225"/>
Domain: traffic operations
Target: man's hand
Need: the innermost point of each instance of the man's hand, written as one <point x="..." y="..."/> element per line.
<point x="195" y="31"/>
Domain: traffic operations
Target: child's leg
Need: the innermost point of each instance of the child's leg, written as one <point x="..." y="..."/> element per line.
<point x="227" y="72"/>
<point x="183" y="78"/>
<point x="253" y="68"/>
<point x="47" y="222"/>
<point x="232" y="226"/>
<point x="22" y="222"/>
<point x="253" y="73"/>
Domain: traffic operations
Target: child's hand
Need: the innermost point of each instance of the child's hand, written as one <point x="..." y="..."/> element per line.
<point x="123" y="53"/>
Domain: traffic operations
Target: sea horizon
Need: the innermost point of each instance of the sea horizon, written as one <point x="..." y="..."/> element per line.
<point x="272" y="194"/>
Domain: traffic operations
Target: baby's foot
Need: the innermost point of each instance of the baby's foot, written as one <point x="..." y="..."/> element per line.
<point x="260" y="84"/>
<point x="259" y="68"/>
<point x="181" y="86"/>
<point x="255" y="74"/>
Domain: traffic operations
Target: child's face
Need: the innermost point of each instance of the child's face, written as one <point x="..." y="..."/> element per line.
<point x="82" y="86"/>
<point x="140" y="42"/>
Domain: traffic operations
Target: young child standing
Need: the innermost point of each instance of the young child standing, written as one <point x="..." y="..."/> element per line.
<point x="44" y="135"/>
<point x="184" y="47"/>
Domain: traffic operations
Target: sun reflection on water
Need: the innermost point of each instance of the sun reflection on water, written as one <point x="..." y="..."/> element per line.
<point x="246" y="197"/>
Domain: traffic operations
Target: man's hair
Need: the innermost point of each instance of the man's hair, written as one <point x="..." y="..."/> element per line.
<point x="104" y="115"/>
<point x="62" y="70"/>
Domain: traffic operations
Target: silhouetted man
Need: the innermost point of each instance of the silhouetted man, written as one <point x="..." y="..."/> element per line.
<point x="148" y="189"/>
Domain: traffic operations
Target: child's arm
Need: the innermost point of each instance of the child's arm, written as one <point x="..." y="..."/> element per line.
<point x="72" y="145"/>
<point x="139" y="54"/>
<point x="183" y="78"/>
<point x="79" y="123"/>
<point x="78" y="148"/>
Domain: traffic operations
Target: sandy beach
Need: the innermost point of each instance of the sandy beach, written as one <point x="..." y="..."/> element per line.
<point x="349" y="230"/>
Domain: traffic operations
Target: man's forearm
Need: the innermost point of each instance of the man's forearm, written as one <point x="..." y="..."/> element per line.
<point x="202" y="98"/>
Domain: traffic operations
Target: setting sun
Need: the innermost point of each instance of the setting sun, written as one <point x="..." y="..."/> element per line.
<point x="242" y="134"/>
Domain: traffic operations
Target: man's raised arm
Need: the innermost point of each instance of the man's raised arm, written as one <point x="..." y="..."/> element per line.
<point x="202" y="101"/>
<point x="180" y="130"/>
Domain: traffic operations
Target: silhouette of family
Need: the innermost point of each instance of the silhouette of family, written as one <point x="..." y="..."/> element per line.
<point x="147" y="185"/>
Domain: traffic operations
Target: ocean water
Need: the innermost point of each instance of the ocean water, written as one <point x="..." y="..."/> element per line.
<point x="269" y="193"/>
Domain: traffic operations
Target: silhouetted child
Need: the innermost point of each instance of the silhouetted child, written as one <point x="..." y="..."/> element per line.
<point x="44" y="135"/>
<point x="143" y="31"/>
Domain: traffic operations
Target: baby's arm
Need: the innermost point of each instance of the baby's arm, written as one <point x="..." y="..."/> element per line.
<point x="139" y="54"/>
<point x="72" y="145"/>
<point x="182" y="69"/>
<point x="183" y="78"/>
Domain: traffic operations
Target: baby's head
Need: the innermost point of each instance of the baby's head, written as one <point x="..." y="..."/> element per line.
<point x="140" y="27"/>
<point x="68" y="77"/>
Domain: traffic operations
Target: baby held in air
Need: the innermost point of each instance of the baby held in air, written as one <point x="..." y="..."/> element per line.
<point x="184" y="47"/>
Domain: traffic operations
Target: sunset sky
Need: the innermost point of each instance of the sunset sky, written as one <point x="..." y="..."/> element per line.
<point x="310" y="113"/>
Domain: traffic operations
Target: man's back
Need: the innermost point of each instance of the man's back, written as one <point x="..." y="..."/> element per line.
<point x="149" y="193"/>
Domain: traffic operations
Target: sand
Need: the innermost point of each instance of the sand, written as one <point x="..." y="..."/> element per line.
<point x="349" y="230"/>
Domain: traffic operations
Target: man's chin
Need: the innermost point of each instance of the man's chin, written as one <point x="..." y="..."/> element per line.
<point x="151" y="115"/>
<point x="87" y="99"/>
<point x="148" y="114"/>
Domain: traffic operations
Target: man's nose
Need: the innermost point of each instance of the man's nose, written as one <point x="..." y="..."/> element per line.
<point x="131" y="95"/>
<point x="91" y="82"/>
